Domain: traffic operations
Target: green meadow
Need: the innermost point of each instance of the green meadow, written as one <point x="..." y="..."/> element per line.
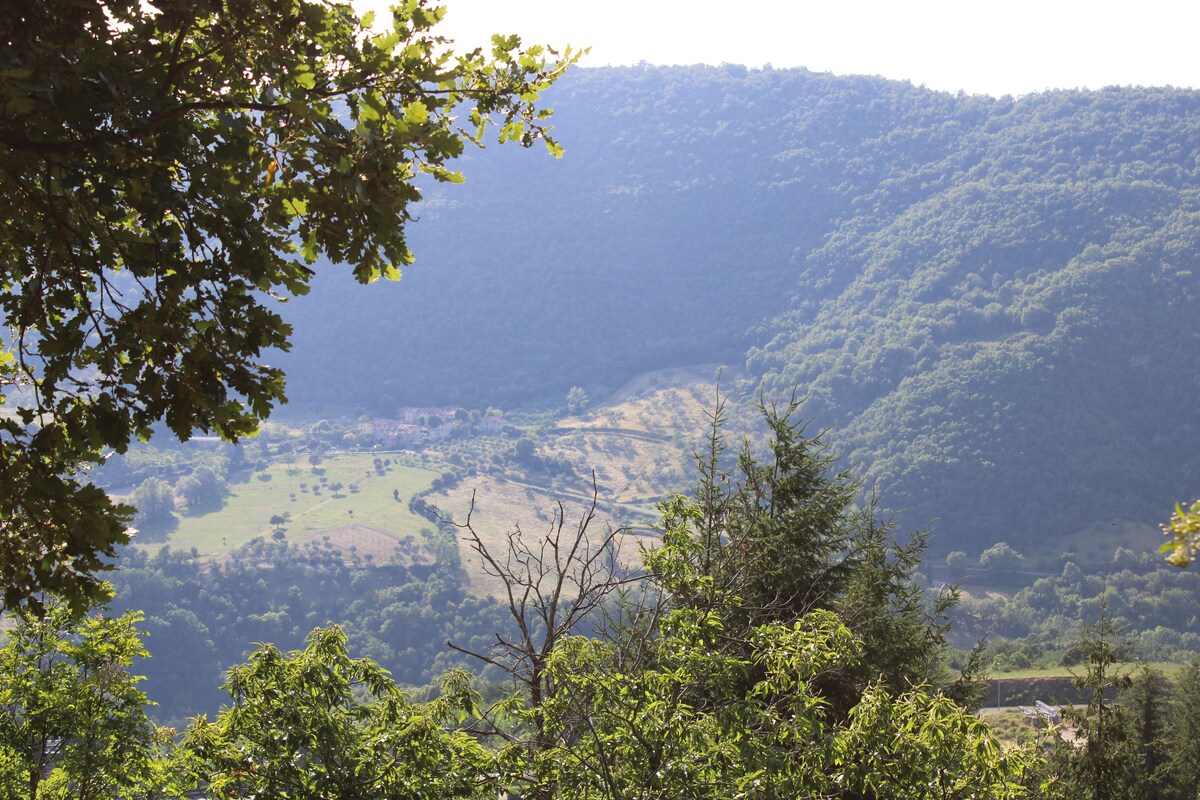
<point x="369" y="502"/>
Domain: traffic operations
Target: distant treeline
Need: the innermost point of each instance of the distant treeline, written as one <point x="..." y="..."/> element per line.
<point x="1152" y="604"/>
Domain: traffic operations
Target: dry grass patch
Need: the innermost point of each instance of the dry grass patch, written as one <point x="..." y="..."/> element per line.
<point x="663" y="403"/>
<point x="501" y="506"/>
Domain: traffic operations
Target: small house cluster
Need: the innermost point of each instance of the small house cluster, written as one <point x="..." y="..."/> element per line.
<point x="414" y="426"/>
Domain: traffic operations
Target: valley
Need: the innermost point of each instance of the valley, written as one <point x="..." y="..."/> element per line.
<point x="749" y="445"/>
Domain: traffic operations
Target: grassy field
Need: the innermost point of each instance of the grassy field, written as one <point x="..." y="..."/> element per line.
<point x="500" y="506"/>
<point x="1171" y="671"/>
<point x="638" y="443"/>
<point x="666" y="402"/>
<point x="364" y="513"/>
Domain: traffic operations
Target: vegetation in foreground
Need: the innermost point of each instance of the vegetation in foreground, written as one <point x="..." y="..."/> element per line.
<point x="776" y="644"/>
<point x="400" y="584"/>
<point x="704" y="675"/>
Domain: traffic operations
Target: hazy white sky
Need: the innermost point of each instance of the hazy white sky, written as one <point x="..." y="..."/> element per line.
<point x="979" y="46"/>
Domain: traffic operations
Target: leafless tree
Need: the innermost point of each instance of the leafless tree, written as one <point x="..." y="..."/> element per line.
<point x="563" y="581"/>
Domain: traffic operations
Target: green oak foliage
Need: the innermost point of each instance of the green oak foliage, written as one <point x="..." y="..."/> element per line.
<point x="1184" y="530"/>
<point x="166" y="173"/>
<point x="316" y="723"/>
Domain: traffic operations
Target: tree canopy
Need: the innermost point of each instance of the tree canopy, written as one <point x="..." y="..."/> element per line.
<point x="317" y="723"/>
<point x="72" y="718"/>
<point x="168" y="171"/>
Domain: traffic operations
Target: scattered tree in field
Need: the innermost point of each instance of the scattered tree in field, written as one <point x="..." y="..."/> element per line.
<point x="279" y="523"/>
<point x="577" y="400"/>
<point x="202" y="490"/>
<point x="154" y="500"/>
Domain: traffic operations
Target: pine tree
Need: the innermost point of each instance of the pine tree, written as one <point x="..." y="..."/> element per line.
<point x="779" y="537"/>
<point x="1104" y="762"/>
<point x="1147" y="701"/>
<point x="1183" y="735"/>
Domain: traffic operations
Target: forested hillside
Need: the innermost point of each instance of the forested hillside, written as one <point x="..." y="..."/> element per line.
<point x="991" y="300"/>
<point x="1016" y="350"/>
<point x="678" y="220"/>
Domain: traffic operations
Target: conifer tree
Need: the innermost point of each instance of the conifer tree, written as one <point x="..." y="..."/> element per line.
<point x="1147" y="702"/>
<point x="1104" y="761"/>
<point x="1183" y="734"/>
<point x="780" y="537"/>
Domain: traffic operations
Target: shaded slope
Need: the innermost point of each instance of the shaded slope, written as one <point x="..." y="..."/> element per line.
<point x="674" y="224"/>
